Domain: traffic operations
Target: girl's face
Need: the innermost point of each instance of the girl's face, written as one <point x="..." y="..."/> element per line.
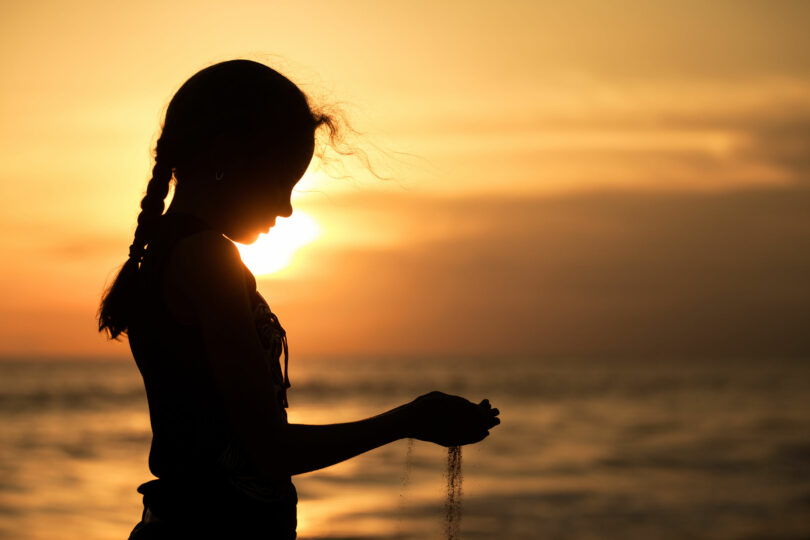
<point x="257" y="195"/>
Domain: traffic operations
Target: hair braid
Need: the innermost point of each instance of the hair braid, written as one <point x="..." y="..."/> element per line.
<point x="152" y="206"/>
<point x="116" y="306"/>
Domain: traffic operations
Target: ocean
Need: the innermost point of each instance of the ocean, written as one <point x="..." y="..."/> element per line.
<point x="587" y="449"/>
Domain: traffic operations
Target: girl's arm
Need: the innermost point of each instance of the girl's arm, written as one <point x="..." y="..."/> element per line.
<point x="311" y="447"/>
<point x="435" y="417"/>
<point x="206" y="272"/>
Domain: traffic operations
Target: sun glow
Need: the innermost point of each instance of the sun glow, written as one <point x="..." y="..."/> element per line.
<point x="274" y="251"/>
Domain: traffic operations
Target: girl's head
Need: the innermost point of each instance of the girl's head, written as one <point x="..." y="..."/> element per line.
<point x="241" y="135"/>
<point x="237" y="134"/>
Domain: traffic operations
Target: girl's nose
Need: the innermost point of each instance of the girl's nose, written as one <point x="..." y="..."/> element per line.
<point x="286" y="210"/>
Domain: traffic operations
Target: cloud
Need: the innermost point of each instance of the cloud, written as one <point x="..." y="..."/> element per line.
<point x="599" y="274"/>
<point x="610" y="273"/>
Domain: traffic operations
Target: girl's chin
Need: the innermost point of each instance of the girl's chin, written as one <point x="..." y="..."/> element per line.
<point x="246" y="238"/>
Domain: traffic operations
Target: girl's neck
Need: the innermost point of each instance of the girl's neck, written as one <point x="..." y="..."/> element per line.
<point x="196" y="204"/>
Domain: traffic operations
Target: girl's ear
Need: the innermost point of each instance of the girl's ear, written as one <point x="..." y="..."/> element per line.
<point x="217" y="156"/>
<point x="218" y="151"/>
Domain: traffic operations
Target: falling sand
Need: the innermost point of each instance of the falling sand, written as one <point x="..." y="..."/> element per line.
<point x="452" y="505"/>
<point x="404" y="480"/>
<point x="406" y="476"/>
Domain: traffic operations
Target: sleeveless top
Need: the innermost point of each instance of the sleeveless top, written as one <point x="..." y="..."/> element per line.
<point x="200" y="464"/>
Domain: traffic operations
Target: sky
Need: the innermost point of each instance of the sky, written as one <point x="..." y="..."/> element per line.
<point x="559" y="179"/>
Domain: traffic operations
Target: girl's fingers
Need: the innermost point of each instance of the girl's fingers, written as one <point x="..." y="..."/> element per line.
<point x="485" y="403"/>
<point x="496" y="412"/>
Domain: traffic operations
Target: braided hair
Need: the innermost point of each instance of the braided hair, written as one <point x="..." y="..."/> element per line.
<point x="116" y="304"/>
<point x="247" y="103"/>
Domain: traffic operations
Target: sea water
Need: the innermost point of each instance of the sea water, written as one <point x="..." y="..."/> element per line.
<point x="587" y="449"/>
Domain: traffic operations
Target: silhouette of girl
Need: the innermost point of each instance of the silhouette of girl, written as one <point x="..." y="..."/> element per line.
<point x="237" y="137"/>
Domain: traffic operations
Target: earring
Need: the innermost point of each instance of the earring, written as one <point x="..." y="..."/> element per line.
<point x="219" y="175"/>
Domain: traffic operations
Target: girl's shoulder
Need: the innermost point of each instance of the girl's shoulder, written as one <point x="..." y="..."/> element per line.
<point x="187" y="261"/>
<point x="204" y="273"/>
<point x="187" y="264"/>
<point x="191" y="247"/>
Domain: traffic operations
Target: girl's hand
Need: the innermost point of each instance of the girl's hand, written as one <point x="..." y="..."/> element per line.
<point x="450" y="420"/>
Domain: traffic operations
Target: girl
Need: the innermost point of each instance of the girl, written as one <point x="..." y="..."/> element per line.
<point x="236" y="138"/>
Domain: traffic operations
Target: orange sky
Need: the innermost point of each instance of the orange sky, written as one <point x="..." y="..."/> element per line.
<point x="586" y="178"/>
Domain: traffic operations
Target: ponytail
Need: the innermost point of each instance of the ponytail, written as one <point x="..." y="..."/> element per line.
<point x="119" y="300"/>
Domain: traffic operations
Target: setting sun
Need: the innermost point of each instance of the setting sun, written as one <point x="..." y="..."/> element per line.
<point x="274" y="251"/>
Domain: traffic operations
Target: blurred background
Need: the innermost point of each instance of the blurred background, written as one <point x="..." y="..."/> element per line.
<point x="595" y="214"/>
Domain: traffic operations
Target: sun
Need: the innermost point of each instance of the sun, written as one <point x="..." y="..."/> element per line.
<point x="274" y="251"/>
